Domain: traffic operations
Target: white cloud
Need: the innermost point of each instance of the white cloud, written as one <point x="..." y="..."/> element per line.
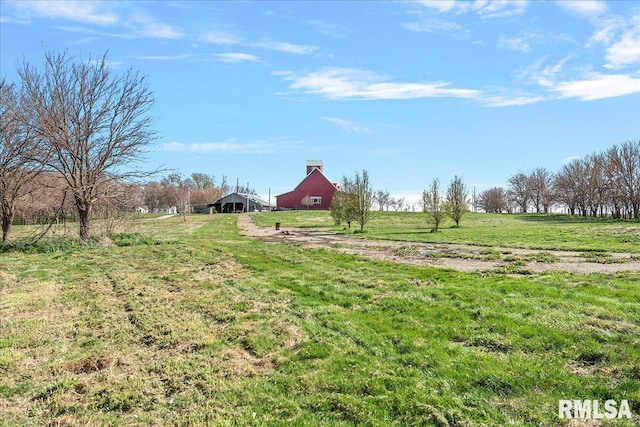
<point x="433" y="25"/>
<point x="136" y="23"/>
<point x="225" y="38"/>
<point x="542" y="75"/>
<point x="518" y="43"/>
<point x="232" y="146"/>
<point x="511" y="99"/>
<point x="79" y="11"/>
<point x="295" y="49"/>
<point x="484" y="8"/>
<point x="625" y="51"/>
<point x="167" y="57"/>
<point x="143" y="25"/>
<point x="236" y="57"/>
<point x="349" y="83"/>
<point x="499" y="8"/>
<point x="220" y="37"/>
<point x="440" y="6"/>
<point x="584" y="8"/>
<point x="598" y="86"/>
<point x="231" y="57"/>
<point x="347" y="125"/>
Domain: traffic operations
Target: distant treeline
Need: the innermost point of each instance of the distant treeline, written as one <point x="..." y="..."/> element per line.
<point x="601" y="184"/>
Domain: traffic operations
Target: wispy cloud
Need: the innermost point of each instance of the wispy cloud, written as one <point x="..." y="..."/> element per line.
<point x="563" y="81"/>
<point x="620" y="35"/>
<point x="434" y="25"/>
<point x="122" y="21"/>
<point x="508" y="97"/>
<point x="347" y="126"/>
<point x="142" y="24"/>
<point x="226" y="38"/>
<point x="349" y="83"/>
<point x="584" y="8"/>
<point x="236" y="57"/>
<point x="626" y="50"/>
<point x="598" y="86"/>
<point x="220" y="37"/>
<point x="167" y="57"/>
<point x="519" y="42"/>
<point x="233" y="146"/>
<point x="78" y="11"/>
<point x="230" y="57"/>
<point x="435" y="16"/>
<point x="483" y="8"/>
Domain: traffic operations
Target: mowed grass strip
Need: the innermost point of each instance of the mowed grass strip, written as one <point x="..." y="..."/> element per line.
<point x="526" y="231"/>
<point x="210" y="328"/>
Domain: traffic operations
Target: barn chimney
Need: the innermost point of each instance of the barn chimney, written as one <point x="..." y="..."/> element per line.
<point x="314" y="164"/>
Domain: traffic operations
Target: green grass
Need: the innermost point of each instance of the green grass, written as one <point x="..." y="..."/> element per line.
<point x="528" y="231"/>
<point x="192" y="324"/>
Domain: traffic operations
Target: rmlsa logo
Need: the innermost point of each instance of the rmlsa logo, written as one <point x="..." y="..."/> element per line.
<point x="592" y="409"/>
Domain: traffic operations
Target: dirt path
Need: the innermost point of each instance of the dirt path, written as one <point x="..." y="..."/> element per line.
<point x="457" y="257"/>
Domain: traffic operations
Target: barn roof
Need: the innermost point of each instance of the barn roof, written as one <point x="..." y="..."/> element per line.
<point x="313" y="171"/>
<point x="241" y="198"/>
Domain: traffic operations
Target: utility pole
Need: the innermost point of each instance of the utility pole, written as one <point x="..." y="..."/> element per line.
<point x="474" y="198"/>
<point x="247" y="197"/>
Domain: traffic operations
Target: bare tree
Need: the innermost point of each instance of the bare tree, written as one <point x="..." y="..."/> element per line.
<point x="432" y="204"/>
<point x="153" y="195"/>
<point x="19" y="150"/>
<point x="456" y="201"/>
<point x="494" y="200"/>
<point x="519" y="191"/>
<point x="382" y="198"/>
<point x="177" y="193"/>
<point x="95" y="122"/>
<point x="397" y="204"/>
<point x="540" y="186"/>
<point x="203" y="189"/>
<point x="624" y="164"/>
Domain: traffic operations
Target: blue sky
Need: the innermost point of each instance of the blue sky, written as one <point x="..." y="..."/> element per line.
<point x="409" y="90"/>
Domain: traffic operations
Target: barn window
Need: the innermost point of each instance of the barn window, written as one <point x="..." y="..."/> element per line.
<point x="316" y="200"/>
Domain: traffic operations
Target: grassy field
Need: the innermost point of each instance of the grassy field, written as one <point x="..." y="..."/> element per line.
<point x="528" y="231"/>
<point x="189" y="323"/>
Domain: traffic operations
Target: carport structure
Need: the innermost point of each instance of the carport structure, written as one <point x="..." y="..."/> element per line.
<point x="239" y="202"/>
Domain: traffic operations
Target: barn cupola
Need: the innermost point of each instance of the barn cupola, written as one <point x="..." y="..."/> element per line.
<point x="314" y="164"/>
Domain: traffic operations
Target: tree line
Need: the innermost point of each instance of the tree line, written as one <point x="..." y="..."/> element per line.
<point x="605" y="184"/>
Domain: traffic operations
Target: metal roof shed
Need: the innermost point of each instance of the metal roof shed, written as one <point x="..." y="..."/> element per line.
<point x="237" y="202"/>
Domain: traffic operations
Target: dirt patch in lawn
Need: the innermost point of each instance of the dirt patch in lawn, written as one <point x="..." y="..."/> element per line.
<point x="454" y="256"/>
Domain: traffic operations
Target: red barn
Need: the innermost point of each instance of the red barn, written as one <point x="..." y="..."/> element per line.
<point x="314" y="192"/>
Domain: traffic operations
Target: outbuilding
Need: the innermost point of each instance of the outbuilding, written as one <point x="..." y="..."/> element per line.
<point x="239" y="202"/>
<point x="314" y="192"/>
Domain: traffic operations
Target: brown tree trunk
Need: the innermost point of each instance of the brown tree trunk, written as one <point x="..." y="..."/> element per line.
<point x="84" y="217"/>
<point x="6" y="226"/>
<point x="7" y="219"/>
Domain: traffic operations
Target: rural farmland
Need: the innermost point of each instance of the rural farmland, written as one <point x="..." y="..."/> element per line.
<point x="320" y="213"/>
<point x="193" y="323"/>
